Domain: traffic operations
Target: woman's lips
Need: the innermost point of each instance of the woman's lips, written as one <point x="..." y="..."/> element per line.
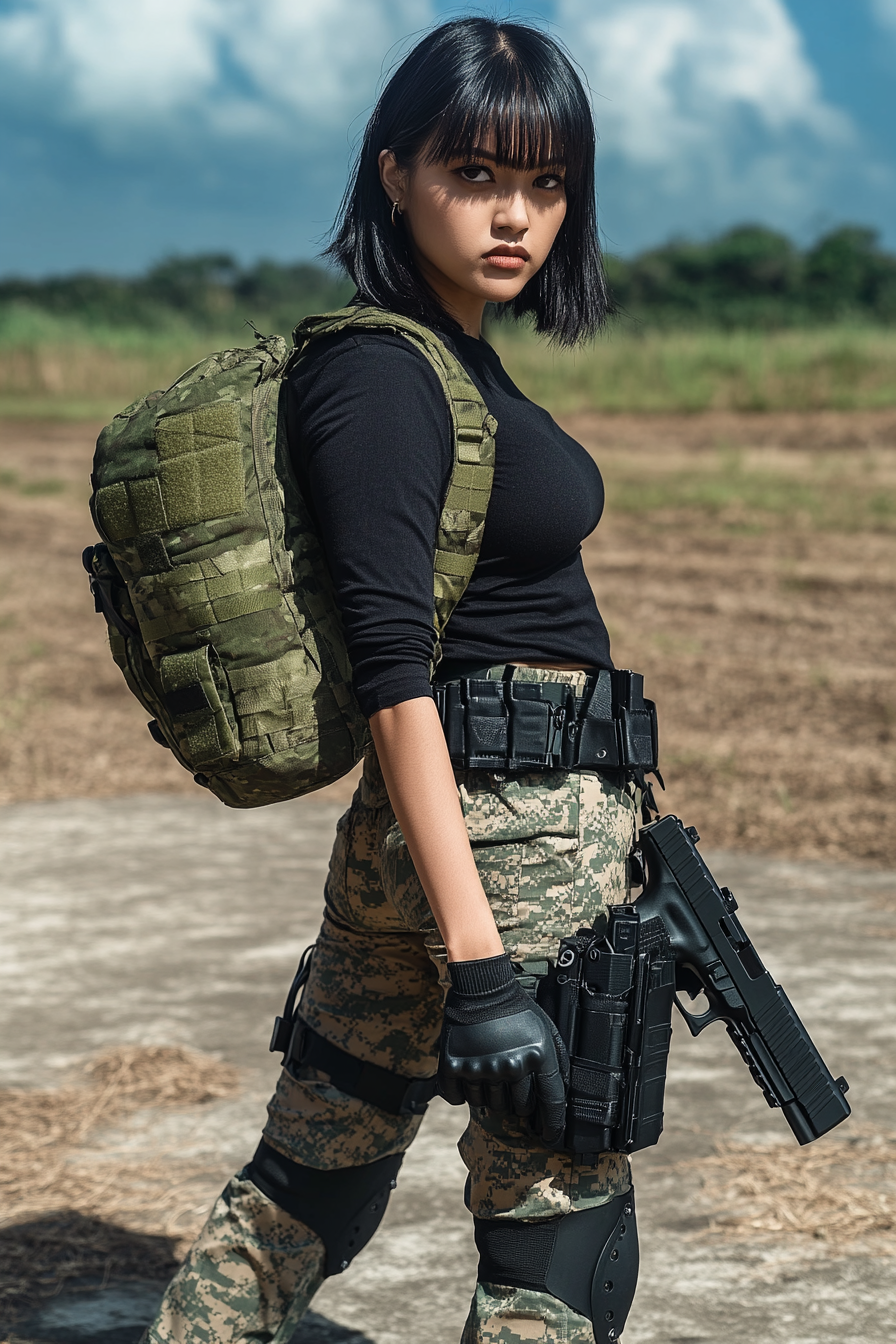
<point x="508" y="261"/>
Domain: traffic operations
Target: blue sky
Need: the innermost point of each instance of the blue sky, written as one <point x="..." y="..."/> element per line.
<point x="132" y="129"/>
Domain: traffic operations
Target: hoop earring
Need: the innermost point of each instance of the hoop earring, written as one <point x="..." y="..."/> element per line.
<point x="396" y="210"/>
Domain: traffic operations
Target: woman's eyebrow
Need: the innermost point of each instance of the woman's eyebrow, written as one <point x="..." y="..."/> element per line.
<point x="477" y="153"/>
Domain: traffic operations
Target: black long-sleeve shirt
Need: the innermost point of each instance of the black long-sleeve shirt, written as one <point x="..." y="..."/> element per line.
<point x="371" y="439"/>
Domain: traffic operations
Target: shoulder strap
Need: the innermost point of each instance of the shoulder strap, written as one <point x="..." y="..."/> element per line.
<point x="462" y="520"/>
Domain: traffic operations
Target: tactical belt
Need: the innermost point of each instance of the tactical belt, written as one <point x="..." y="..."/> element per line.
<point x="544" y="725"/>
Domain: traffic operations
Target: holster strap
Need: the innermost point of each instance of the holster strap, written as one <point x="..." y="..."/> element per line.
<point x="394" y="1093"/>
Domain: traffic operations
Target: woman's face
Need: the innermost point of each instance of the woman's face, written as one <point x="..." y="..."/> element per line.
<point x="478" y="229"/>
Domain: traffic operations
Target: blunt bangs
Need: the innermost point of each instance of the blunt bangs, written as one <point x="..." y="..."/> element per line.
<point x="525" y="126"/>
<point x="471" y="85"/>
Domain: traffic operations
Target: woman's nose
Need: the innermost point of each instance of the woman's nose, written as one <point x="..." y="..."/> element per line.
<point x="512" y="214"/>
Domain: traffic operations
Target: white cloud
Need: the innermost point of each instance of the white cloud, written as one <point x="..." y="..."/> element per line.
<point x="710" y="110"/>
<point x="318" y="57"/>
<point x="241" y="66"/>
<point x="885" y="13"/>
<point x="671" y="75"/>
<point x="103" y="58"/>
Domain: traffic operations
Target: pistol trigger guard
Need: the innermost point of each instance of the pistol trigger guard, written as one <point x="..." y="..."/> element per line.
<point x="697" y="1022"/>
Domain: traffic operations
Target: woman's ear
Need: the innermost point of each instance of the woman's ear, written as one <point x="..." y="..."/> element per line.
<point x="392" y="177"/>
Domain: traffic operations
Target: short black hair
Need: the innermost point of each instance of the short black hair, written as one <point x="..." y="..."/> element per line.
<point x="468" y="81"/>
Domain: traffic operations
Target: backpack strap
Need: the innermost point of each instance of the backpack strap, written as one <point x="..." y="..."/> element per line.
<point x="462" y="520"/>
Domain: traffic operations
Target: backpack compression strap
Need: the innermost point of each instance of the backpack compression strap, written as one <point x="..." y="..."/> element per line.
<point x="462" y="520"/>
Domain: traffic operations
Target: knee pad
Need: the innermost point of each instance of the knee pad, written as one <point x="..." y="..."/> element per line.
<point x="587" y="1259"/>
<point x="343" y="1207"/>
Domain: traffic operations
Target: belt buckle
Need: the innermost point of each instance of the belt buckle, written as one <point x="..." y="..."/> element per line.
<point x="563" y="737"/>
<point x="555" y="747"/>
<point x="296" y="1044"/>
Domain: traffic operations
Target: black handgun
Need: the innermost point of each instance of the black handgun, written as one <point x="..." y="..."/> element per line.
<point x="714" y="956"/>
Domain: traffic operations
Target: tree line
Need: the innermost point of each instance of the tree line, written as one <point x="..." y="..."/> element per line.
<point x="754" y="276"/>
<point x="210" y="292"/>
<point x="747" y="276"/>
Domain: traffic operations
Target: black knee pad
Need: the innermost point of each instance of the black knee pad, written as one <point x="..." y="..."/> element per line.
<point x="588" y="1259"/>
<point x="344" y="1207"/>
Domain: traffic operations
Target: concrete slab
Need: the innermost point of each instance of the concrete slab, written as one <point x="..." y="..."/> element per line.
<point x="114" y="1315"/>
<point x="174" y="920"/>
<point x="118" y="1314"/>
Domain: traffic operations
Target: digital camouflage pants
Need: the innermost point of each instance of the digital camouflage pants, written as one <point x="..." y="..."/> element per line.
<point x="552" y="849"/>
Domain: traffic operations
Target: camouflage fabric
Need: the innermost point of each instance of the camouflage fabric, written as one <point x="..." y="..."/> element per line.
<point x="220" y="610"/>
<point x="249" y="1275"/>
<point x="552" y="849"/>
<point x="519" y="1316"/>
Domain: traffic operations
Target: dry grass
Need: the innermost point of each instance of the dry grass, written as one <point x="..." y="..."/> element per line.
<point x="75" y="1209"/>
<point x="638" y="369"/>
<point x="841" y="1191"/>
<point x="745" y="564"/>
<point x="884" y="901"/>
<point x="78" y="379"/>
<point x="634" y="369"/>
<point x="763" y="629"/>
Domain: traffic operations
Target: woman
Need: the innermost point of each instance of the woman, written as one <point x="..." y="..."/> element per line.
<point x="474" y="185"/>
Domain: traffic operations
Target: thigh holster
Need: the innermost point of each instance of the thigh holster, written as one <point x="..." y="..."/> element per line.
<point x="302" y="1047"/>
<point x="343" y="1207"/>
<point x="610" y="993"/>
<point x="587" y="1259"/>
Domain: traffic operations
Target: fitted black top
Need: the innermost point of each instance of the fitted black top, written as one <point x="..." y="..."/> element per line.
<point x="371" y="440"/>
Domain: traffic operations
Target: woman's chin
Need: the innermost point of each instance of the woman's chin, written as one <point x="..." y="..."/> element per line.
<point x="500" y="290"/>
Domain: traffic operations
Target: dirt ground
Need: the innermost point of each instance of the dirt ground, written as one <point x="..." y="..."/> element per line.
<point x="139" y="931"/>
<point x="766" y="632"/>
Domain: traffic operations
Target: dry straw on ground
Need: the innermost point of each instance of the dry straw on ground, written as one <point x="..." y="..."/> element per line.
<point x="75" y="1211"/>
<point x="841" y="1191"/>
<point x="745" y="565"/>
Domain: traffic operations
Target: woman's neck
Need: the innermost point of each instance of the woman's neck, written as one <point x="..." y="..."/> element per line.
<point x="466" y="309"/>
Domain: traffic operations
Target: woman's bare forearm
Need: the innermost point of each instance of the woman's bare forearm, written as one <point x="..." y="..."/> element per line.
<point x="411" y="748"/>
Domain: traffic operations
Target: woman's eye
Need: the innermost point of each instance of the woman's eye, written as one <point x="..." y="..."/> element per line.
<point x="474" y="172"/>
<point x="549" y="181"/>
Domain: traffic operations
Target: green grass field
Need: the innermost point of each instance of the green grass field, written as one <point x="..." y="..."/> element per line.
<point x="735" y="493"/>
<point x="60" y="368"/>
<point x="838" y="368"/>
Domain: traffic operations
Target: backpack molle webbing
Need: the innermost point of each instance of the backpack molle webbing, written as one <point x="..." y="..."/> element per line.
<point x="211" y="565"/>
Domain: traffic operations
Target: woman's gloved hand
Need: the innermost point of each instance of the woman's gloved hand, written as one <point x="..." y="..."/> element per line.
<point x="500" y="1050"/>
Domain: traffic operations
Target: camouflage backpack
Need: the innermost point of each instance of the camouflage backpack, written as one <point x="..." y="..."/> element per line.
<point x="213" y="583"/>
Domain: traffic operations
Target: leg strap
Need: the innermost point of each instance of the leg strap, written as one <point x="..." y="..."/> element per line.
<point x="391" y="1092"/>
<point x="587" y="1259"/>
<point x="301" y="1046"/>
<point x="344" y="1207"/>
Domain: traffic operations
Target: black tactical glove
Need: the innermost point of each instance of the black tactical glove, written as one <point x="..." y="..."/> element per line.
<point x="500" y="1050"/>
